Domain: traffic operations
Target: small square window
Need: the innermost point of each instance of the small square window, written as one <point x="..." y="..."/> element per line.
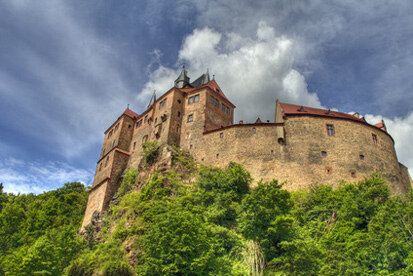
<point x="190" y="100"/>
<point x="330" y="130"/>
<point x="329" y="170"/>
<point x="361" y="157"/>
<point x="324" y="154"/>
<point x="190" y="117"/>
<point x="353" y="174"/>
<point x="221" y="135"/>
<point x="196" y="98"/>
<point x="217" y="155"/>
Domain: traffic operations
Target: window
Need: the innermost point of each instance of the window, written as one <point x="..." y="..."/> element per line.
<point x="353" y="174"/>
<point x="374" y="136"/>
<point x="330" y="130"/>
<point x="145" y="138"/>
<point x="217" y="155"/>
<point x="162" y="103"/>
<point x="179" y="113"/>
<point x="193" y="99"/>
<point x="361" y="157"/>
<point x="188" y="135"/>
<point x="116" y="127"/>
<point x="221" y="135"/>
<point x="227" y="110"/>
<point x="223" y="107"/>
<point x="329" y="170"/>
<point x="100" y="167"/>
<point x="129" y="126"/>
<point x="217" y="90"/>
<point x="214" y="101"/>
<point x="134" y="145"/>
<point x="253" y="130"/>
<point x="146" y="119"/>
<point x="177" y="128"/>
<point x="114" y="142"/>
<point x="139" y="123"/>
<point x="179" y="101"/>
<point x="190" y="146"/>
<point x="156" y="119"/>
<point x="110" y="133"/>
<point x="107" y="161"/>
<point x="324" y="154"/>
<point x="272" y="152"/>
<point x="190" y="117"/>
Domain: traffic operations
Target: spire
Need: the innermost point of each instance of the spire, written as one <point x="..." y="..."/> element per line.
<point x="183" y="79"/>
<point x="206" y="77"/>
<point x="153" y="99"/>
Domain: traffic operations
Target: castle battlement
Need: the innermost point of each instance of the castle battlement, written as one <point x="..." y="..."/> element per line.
<point x="302" y="146"/>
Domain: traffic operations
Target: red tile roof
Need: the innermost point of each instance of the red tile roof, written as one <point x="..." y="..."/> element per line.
<point x="291" y="109"/>
<point x="215" y="87"/>
<point x="130" y="113"/>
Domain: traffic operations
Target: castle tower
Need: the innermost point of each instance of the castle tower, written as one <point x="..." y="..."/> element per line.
<point x="111" y="164"/>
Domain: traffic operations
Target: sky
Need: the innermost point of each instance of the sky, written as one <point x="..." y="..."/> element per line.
<point x="68" y="69"/>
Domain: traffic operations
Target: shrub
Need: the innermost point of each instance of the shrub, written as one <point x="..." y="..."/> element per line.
<point x="150" y="152"/>
<point x="117" y="269"/>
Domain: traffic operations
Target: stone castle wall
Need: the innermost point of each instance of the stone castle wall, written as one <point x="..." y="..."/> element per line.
<point x="296" y="149"/>
<point x="298" y="160"/>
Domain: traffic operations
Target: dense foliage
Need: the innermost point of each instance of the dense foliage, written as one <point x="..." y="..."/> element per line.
<point x="38" y="233"/>
<point x="214" y="224"/>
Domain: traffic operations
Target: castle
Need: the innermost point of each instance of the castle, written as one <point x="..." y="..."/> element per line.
<point x="302" y="146"/>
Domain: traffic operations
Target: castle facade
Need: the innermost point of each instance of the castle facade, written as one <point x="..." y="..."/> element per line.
<point x="302" y="146"/>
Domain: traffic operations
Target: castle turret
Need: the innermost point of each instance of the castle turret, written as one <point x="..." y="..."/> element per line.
<point x="182" y="80"/>
<point x="153" y="100"/>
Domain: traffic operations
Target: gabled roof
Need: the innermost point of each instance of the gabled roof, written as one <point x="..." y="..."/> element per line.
<point x="130" y="113"/>
<point x="215" y="87"/>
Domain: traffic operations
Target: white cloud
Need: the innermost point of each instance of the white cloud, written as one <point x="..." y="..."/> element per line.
<point x="253" y="71"/>
<point x="401" y="130"/>
<point x="19" y="176"/>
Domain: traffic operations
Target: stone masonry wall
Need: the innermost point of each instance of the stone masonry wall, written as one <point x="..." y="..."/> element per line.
<point x="299" y="160"/>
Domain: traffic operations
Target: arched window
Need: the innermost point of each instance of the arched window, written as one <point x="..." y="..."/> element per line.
<point x="107" y="161"/>
<point x="145" y="139"/>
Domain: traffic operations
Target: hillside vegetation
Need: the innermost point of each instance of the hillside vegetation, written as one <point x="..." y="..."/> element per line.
<point x="209" y="221"/>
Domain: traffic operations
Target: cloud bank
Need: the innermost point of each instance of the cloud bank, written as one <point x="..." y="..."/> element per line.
<point x="252" y="71"/>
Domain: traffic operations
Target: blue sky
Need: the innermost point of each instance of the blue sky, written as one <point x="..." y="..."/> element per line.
<point x="68" y="69"/>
